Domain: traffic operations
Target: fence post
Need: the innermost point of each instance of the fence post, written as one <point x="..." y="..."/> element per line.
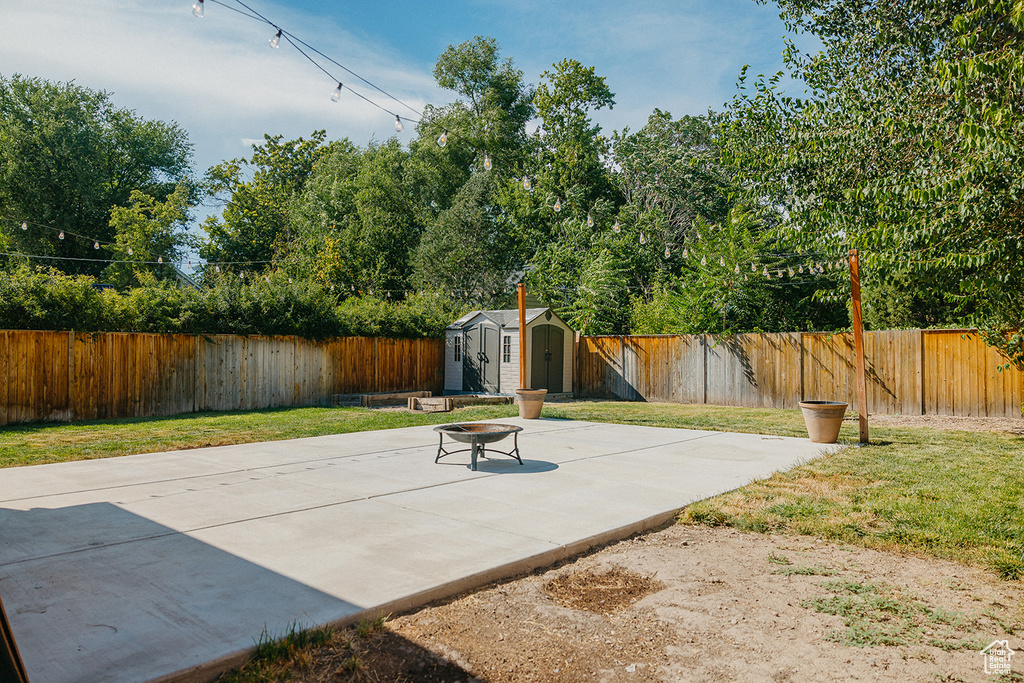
<point x="858" y="344"/>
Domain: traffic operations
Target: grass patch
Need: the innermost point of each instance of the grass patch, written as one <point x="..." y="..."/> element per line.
<point x="41" y="443"/>
<point x="278" y="658"/>
<point x="808" y="570"/>
<point x="879" y="614"/>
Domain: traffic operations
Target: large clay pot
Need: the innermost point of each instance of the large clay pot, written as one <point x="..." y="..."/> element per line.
<point x="823" y="419"/>
<point x="530" y="402"/>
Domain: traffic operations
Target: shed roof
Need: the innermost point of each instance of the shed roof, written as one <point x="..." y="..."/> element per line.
<point x="508" y="319"/>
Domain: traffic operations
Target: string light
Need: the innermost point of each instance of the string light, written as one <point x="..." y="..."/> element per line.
<point x="95" y="245"/>
<point x="753" y="268"/>
<point x="590" y="220"/>
<point x="779" y="274"/>
<point x="736" y="269"/>
<point x="766" y="273"/>
<point x="703" y="260"/>
<point x="686" y="252"/>
<point x="275" y="42"/>
<point x="336" y="95"/>
<point x="791" y="271"/>
<point x="61" y="235"/>
<point x="667" y="252"/>
<point x="159" y="259"/>
<point x="558" y="205"/>
<point x="130" y="252"/>
<point x="801" y="268"/>
<point x="443" y="140"/>
<point x="398" y="124"/>
<point x="487" y="162"/>
<point x="526" y="183"/>
<point x="643" y="239"/>
<point x="617" y="227"/>
<point x="197" y="9"/>
<point x="721" y="261"/>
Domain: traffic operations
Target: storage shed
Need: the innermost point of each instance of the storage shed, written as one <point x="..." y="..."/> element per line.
<point x="482" y="352"/>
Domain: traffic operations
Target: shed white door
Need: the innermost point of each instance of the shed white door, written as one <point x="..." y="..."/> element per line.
<point x="480" y="362"/>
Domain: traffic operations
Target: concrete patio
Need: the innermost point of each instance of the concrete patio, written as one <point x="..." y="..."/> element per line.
<point x="166" y="566"/>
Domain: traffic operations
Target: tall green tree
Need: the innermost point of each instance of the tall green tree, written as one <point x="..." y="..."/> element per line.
<point x="907" y="148"/>
<point x="466" y="248"/>
<point x="257" y="195"/>
<point x="68" y="155"/>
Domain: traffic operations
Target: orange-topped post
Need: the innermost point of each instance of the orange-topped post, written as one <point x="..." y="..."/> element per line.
<point x="522" y="335"/>
<point x="858" y="346"/>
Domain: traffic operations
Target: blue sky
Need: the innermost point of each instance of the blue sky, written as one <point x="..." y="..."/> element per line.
<point x="219" y="79"/>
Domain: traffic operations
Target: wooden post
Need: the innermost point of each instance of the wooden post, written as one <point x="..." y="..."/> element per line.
<point x="522" y="335"/>
<point x="858" y="346"/>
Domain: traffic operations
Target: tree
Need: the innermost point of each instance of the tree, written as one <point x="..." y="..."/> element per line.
<point x="67" y="157"/>
<point x="906" y="148"/>
<point x="148" y="232"/>
<point x="255" y="228"/>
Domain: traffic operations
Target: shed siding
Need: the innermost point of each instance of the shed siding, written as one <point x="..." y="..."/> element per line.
<point x="509" y="376"/>
<point x="452" y="368"/>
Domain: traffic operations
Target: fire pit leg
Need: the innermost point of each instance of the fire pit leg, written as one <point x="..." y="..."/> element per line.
<point x="476" y="449"/>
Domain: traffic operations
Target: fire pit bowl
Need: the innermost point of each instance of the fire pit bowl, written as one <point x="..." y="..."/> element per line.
<point x="477" y="434"/>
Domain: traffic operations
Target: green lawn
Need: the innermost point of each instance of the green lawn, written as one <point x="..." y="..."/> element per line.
<point x="956" y="495"/>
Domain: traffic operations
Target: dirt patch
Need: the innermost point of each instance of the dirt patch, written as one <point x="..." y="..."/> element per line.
<point x="603" y="592"/>
<point x="1008" y="425"/>
<point x="694" y="603"/>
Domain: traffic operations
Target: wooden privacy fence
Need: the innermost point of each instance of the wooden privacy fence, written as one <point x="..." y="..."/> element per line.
<point x="914" y="372"/>
<point x="81" y="376"/>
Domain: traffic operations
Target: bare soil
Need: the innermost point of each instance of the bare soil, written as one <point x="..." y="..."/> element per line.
<point x="693" y="603"/>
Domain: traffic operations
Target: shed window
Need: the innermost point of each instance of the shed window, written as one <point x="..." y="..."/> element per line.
<point x="458" y="349"/>
<point x="506" y="349"/>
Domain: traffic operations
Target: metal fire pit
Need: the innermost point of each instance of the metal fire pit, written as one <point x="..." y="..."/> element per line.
<point x="477" y="434"/>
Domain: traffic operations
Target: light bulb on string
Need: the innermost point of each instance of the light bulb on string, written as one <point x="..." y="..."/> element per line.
<point x="159" y="259"/>
<point x="736" y="269"/>
<point x="721" y="261"/>
<point x="487" y="162"/>
<point x="61" y="235"/>
<point x="686" y="252"/>
<point x="753" y="268"/>
<point x="667" y="252"/>
<point x="24" y="225"/>
<point x="766" y="273"/>
<point x="197" y="9"/>
<point x="275" y="42"/>
<point x="398" y="124"/>
<point x="643" y="238"/>
<point x="558" y="205"/>
<point x="616" y="227"/>
<point x="779" y="274"/>
<point x="801" y="268"/>
<point x="130" y="252"/>
<point x="336" y="95"/>
<point x="527" y="185"/>
<point x="703" y="260"/>
<point x="95" y="245"/>
<point x="590" y="220"/>
<point x="443" y="140"/>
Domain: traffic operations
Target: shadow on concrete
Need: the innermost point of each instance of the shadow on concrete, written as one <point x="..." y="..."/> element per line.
<point x="97" y="593"/>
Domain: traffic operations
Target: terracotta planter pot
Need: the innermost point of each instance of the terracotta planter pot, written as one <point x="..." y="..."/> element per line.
<point x="823" y="419"/>
<point x="530" y="402"/>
